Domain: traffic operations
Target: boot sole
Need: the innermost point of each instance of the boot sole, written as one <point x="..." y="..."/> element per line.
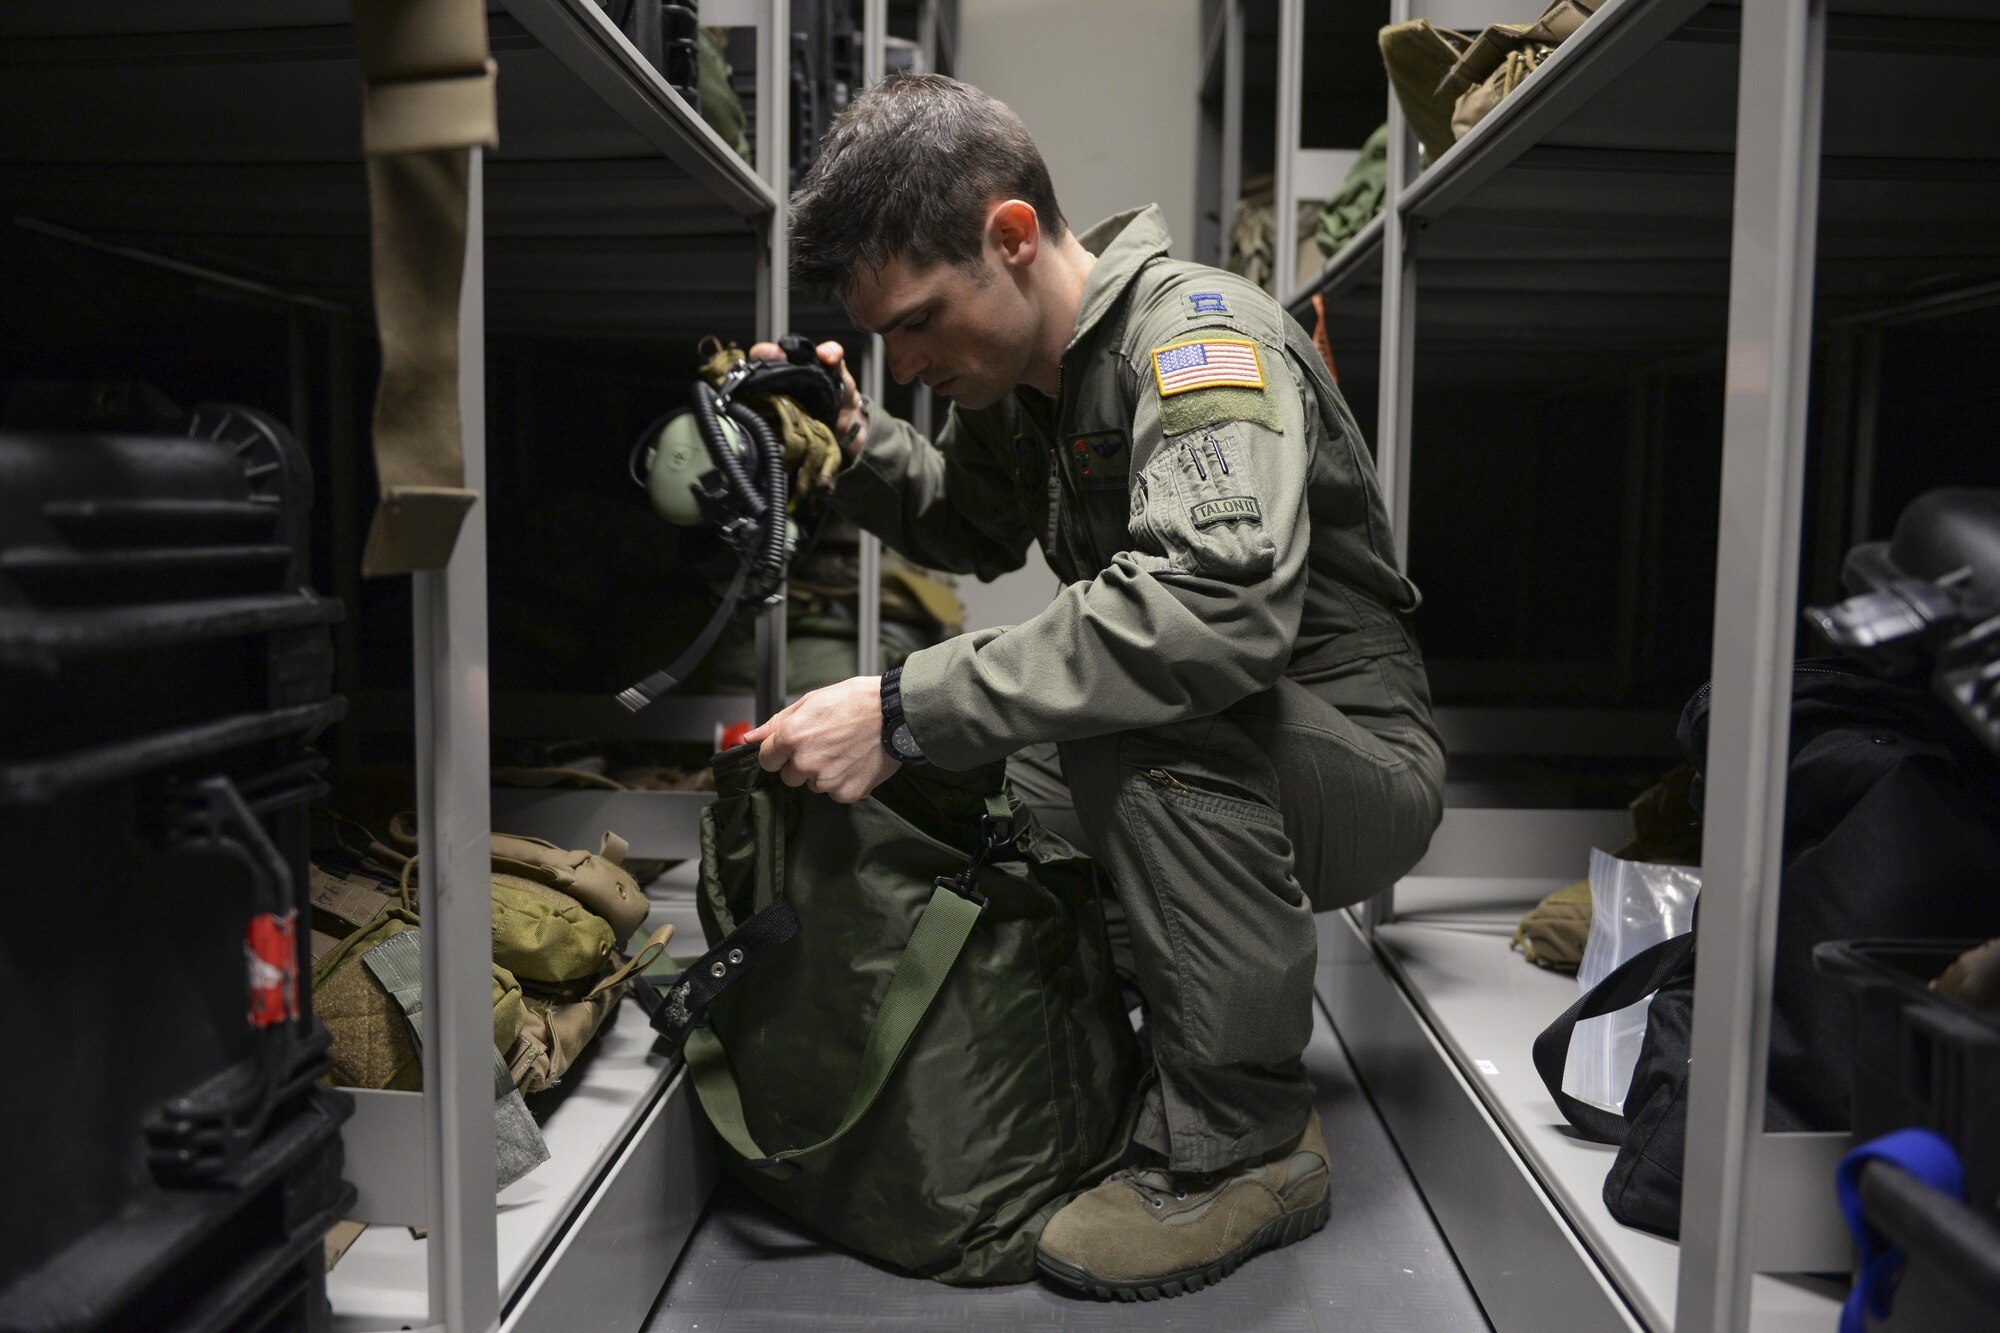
<point x="1278" y="1232"/>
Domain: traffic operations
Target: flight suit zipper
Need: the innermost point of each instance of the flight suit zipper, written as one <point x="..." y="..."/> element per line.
<point x="1071" y="517"/>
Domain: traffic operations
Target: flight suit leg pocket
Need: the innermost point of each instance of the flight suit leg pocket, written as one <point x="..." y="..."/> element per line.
<point x="1236" y="940"/>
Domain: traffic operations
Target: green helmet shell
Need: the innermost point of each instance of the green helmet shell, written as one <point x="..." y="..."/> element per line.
<point x="675" y="461"/>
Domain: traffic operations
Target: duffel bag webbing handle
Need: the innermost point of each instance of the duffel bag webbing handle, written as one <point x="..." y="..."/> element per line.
<point x="1627" y="984"/>
<point x="934" y="946"/>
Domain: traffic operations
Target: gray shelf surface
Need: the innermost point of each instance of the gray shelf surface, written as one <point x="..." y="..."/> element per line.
<point x="621" y="1112"/>
<point x="1380" y="1264"/>
<point x="228" y="136"/>
<point x="1589" y="215"/>
<point x="1483" y="1005"/>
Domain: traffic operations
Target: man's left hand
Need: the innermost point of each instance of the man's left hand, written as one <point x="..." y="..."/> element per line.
<point x="829" y="741"/>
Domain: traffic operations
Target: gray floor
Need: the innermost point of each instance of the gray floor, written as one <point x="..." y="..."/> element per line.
<point x="1380" y="1266"/>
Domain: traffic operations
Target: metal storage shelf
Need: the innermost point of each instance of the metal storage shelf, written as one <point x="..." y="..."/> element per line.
<point x="1359" y="261"/>
<point x="228" y="137"/>
<point x="1589" y="214"/>
<point x="222" y="138"/>
<point x="630" y="1168"/>
<point x="659" y="825"/>
<point x="1613" y="216"/>
<point x="1442" y="975"/>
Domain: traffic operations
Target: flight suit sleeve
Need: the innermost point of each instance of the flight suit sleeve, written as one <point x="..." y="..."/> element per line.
<point x="1201" y="609"/>
<point x="949" y="505"/>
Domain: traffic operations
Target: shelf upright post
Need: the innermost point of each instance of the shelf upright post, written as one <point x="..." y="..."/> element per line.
<point x="344" y="500"/>
<point x="1232" y="127"/>
<point x="454" y="824"/>
<point x="1397" y="393"/>
<point x="1779" y="100"/>
<point x="868" y="609"/>
<point x="774" y="263"/>
<point x="1285" y="208"/>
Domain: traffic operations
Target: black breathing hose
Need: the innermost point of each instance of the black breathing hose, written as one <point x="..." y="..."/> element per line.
<point x="762" y="566"/>
<point x="771" y="561"/>
<point x="705" y="402"/>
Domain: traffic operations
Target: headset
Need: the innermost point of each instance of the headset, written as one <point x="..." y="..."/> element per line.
<point x="720" y="466"/>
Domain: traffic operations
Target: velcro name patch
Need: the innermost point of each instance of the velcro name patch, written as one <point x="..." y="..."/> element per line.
<point x="1101" y="460"/>
<point x="1228" y="509"/>
<point x="1207" y="363"/>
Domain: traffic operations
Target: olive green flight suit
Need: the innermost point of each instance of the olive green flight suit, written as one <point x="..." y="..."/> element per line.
<point x="1227" y="672"/>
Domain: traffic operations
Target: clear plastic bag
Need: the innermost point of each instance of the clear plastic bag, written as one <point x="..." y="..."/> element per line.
<point x="1633" y="906"/>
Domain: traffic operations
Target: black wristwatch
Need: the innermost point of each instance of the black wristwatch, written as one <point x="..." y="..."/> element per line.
<point x="896" y="737"/>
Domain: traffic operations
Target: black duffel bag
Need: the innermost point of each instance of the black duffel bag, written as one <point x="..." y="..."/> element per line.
<point x="1892" y="829"/>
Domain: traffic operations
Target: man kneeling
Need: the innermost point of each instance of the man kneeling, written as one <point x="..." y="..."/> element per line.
<point x="1227" y="675"/>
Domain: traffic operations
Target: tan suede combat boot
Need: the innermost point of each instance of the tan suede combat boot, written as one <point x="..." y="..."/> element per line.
<point x="1147" y="1233"/>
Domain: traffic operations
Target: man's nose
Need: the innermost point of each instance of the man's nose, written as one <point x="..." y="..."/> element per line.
<point x="905" y="364"/>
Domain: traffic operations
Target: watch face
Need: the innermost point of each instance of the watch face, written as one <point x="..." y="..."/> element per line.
<point x="904" y="745"/>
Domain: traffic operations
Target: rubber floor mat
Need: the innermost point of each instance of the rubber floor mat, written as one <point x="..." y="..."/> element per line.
<point x="1380" y="1264"/>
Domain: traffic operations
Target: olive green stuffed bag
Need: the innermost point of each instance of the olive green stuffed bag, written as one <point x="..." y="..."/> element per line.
<point x="925" y="1054"/>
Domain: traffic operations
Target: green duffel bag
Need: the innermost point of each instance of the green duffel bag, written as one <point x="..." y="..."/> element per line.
<point x="926" y="1054"/>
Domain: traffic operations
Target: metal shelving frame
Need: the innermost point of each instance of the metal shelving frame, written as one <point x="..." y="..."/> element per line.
<point x="1300" y="173"/>
<point x="609" y="192"/>
<point x="1757" y="232"/>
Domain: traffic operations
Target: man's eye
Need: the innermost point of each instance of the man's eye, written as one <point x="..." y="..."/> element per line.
<point x="916" y="325"/>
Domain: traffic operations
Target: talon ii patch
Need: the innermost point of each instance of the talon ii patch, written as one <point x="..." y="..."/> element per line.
<point x="1207" y="363"/>
<point x="1229" y="509"/>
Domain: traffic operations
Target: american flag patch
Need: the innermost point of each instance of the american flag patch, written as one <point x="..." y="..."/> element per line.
<point x="1207" y="363"/>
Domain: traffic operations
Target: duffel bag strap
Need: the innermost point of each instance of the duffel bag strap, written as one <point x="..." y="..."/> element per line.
<point x="934" y="946"/>
<point x="996" y="844"/>
<point x="1627" y="984"/>
<point x="677" y="1005"/>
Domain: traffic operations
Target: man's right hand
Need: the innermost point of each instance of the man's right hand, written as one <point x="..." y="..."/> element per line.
<point x="851" y="425"/>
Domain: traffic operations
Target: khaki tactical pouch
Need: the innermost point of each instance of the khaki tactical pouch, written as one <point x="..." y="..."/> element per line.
<point x="1418" y="56"/>
<point x="558" y="975"/>
<point x="371" y="1036"/>
<point x="1554" y="931"/>
<point x="1502" y="56"/>
<point x="1447" y="81"/>
<point x="556" y="1027"/>
<point x="597" y="880"/>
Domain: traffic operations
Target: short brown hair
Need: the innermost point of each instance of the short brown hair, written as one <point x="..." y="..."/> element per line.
<point x="908" y="170"/>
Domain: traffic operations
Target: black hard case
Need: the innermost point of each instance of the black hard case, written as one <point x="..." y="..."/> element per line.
<point x="167" y="1163"/>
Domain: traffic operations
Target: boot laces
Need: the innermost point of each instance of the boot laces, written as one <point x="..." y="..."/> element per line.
<point x="1157" y="1186"/>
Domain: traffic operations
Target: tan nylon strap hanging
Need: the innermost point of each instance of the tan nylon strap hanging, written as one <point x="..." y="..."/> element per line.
<point x="427" y="99"/>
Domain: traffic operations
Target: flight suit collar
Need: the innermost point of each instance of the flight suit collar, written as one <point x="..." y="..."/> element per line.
<point x="1124" y="243"/>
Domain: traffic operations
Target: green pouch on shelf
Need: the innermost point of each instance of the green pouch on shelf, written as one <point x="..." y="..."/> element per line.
<point x="1359" y="198"/>
<point x="543" y="935"/>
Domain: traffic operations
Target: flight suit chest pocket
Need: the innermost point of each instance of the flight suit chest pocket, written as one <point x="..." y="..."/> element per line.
<point x="1098" y="466"/>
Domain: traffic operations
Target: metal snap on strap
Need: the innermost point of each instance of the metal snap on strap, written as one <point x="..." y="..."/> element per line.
<point x="735" y="956"/>
<point x="718" y="969"/>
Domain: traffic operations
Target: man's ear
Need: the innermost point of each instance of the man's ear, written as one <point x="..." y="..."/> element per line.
<point x="1015" y="232"/>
